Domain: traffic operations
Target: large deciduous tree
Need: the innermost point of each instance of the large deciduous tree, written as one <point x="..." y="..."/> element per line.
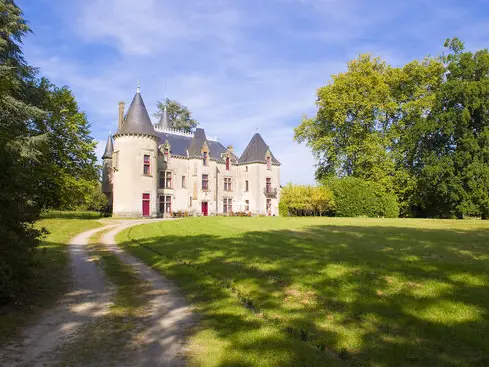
<point x="179" y="115"/>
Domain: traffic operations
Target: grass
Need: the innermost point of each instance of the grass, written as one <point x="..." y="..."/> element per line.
<point x="323" y="291"/>
<point x="110" y="340"/>
<point x="51" y="279"/>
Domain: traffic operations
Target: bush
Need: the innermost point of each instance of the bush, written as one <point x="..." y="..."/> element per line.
<point x="356" y="197"/>
<point x="298" y="200"/>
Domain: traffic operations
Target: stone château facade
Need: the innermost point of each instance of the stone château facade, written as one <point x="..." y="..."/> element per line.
<point x="154" y="170"/>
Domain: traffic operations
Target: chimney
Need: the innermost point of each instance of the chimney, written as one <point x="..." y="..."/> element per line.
<point x="121" y="114"/>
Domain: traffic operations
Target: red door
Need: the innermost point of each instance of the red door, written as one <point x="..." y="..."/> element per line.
<point x="204" y="208"/>
<point x="145" y="205"/>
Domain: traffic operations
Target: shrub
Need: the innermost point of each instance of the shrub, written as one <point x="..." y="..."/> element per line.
<point x="303" y="200"/>
<point x="356" y="197"/>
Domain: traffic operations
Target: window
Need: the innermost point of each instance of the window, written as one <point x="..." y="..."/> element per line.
<point x="269" y="184"/>
<point x="168" y="178"/>
<point x="269" y="206"/>
<point x="247" y="205"/>
<point x="227" y="184"/>
<point x="206" y="158"/>
<point x="165" y="180"/>
<point x="205" y="182"/>
<point x="246" y="185"/>
<point x="162" y="180"/>
<point x="147" y="165"/>
<point x="228" y="163"/>
<point x="246" y="168"/>
<point x="190" y="202"/>
<point x="165" y="203"/>
<point x="184" y="182"/>
<point x="228" y="205"/>
<point x="166" y="155"/>
<point x="269" y="163"/>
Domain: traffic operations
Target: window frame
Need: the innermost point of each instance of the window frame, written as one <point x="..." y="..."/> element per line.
<point x="247" y="205"/>
<point x="166" y="202"/>
<point x="184" y="182"/>
<point x="228" y="186"/>
<point x="206" y="180"/>
<point x="147" y="165"/>
<point x="228" y="164"/>
<point x="247" y="186"/>
<point x="205" y="159"/>
<point x="269" y="162"/>
<point x="227" y="205"/>
<point x="268" y="185"/>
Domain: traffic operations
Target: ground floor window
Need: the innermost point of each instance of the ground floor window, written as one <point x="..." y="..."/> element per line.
<point x="269" y="206"/>
<point x="165" y="203"/>
<point x="228" y="205"/>
<point x="247" y="205"/>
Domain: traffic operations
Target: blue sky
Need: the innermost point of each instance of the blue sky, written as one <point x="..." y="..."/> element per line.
<point x="239" y="65"/>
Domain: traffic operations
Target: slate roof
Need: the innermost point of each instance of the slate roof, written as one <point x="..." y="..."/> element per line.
<point x="109" y="148"/>
<point x="256" y="151"/>
<point x="180" y="144"/>
<point x="165" y="120"/>
<point x="137" y="120"/>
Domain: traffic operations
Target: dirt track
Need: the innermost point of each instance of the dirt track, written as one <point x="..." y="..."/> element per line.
<point x="162" y="341"/>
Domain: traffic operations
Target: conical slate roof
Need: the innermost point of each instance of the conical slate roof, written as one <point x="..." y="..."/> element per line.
<point x="165" y="120"/>
<point x="137" y="120"/>
<point x="109" y="148"/>
<point x="195" y="149"/>
<point x="256" y="151"/>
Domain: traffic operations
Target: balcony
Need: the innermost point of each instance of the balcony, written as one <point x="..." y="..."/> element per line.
<point x="271" y="192"/>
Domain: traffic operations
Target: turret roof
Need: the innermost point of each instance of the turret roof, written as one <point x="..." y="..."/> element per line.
<point x="137" y="119"/>
<point x="256" y="151"/>
<point x="109" y="148"/>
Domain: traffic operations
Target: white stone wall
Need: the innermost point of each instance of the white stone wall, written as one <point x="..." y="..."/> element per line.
<point x="129" y="183"/>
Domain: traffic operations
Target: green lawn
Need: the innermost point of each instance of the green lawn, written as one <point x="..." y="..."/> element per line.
<point x="51" y="279"/>
<point x="322" y="291"/>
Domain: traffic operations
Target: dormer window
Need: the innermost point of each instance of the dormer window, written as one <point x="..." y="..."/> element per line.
<point x="269" y="162"/>
<point x="206" y="158"/>
<point x="166" y="155"/>
<point x="228" y="164"/>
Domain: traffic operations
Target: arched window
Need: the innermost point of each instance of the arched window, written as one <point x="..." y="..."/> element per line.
<point x="228" y="163"/>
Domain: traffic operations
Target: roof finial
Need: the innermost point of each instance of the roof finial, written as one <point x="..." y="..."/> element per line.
<point x="139" y="87"/>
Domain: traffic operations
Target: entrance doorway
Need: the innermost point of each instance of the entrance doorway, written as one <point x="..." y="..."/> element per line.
<point x="145" y="205"/>
<point x="205" y="208"/>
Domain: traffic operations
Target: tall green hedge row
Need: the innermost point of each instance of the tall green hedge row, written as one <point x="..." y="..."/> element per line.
<point x="341" y="197"/>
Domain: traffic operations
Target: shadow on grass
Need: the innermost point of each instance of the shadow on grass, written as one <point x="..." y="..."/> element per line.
<point x="366" y="295"/>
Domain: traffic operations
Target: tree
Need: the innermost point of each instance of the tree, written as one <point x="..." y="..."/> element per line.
<point x="367" y="123"/>
<point x="453" y="161"/>
<point x="20" y="152"/>
<point x="179" y="115"/>
<point x="69" y="167"/>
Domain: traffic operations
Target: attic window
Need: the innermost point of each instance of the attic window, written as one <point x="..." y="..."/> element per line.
<point x="166" y="155"/>
<point x="206" y="158"/>
<point x="269" y="163"/>
<point x="228" y="163"/>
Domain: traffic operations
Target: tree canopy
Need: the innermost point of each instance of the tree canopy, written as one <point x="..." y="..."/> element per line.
<point x="46" y="153"/>
<point x="420" y="130"/>
<point x="179" y="115"/>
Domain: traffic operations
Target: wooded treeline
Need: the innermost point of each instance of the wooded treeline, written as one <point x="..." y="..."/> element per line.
<point x="47" y="156"/>
<point x="420" y="131"/>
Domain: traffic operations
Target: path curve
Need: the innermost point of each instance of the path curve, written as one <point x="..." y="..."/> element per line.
<point x="163" y="337"/>
<point x="90" y="298"/>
